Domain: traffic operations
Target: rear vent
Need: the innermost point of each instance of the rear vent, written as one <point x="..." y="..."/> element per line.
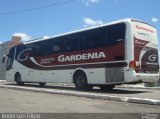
<point x="114" y="75"/>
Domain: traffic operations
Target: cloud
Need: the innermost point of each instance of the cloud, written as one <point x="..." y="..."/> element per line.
<point x="88" y="2"/>
<point x="154" y="19"/>
<point x="23" y="36"/>
<point x="90" y="22"/>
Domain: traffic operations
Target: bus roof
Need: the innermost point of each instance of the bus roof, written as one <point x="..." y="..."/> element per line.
<point x="84" y="29"/>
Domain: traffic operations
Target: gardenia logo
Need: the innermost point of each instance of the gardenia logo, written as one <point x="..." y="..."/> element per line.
<point x="152" y="57"/>
<point x="87" y="56"/>
<point x="144" y="29"/>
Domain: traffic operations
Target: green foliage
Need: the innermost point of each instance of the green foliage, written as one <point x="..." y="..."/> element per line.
<point x="152" y="84"/>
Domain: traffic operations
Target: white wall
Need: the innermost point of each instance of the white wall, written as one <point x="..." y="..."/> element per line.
<point x="4" y="49"/>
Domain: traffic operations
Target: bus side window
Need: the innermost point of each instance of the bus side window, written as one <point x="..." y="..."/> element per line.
<point x="114" y="34"/>
<point x="77" y="41"/>
<point x="42" y="48"/>
<point x="56" y="48"/>
<point x="69" y="44"/>
<point x="93" y="39"/>
<point x="72" y="43"/>
<point x="56" y="45"/>
<point x="34" y="48"/>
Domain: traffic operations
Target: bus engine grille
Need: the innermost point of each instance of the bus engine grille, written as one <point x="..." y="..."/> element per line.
<point x="114" y="75"/>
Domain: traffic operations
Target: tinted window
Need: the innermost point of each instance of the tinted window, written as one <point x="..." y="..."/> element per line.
<point x="56" y="45"/>
<point x="114" y="34"/>
<point x="65" y="44"/>
<point x="72" y="42"/>
<point x="35" y="48"/>
<point x="99" y="37"/>
<point x="42" y="48"/>
<point x="93" y="38"/>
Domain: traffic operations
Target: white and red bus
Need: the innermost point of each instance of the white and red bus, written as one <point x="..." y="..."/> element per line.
<point x="121" y="52"/>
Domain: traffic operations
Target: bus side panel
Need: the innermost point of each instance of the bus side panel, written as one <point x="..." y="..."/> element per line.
<point x="59" y="76"/>
<point x="97" y="76"/>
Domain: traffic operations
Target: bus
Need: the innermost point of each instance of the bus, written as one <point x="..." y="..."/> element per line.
<point x="120" y="52"/>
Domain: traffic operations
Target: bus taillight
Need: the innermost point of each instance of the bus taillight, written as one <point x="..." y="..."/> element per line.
<point x="132" y="65"/>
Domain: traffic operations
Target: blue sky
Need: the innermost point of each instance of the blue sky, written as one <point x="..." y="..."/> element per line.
<point x="71" y="16"/>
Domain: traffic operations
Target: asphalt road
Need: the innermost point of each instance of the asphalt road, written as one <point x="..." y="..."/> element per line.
<point x="122" y="92"/>
<point x="17" y="101"/>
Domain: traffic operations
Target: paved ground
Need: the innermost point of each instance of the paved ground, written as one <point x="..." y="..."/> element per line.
<point x="70" y="107"/>
<point x="123" y="92"/>
<point x="32" y="102"/>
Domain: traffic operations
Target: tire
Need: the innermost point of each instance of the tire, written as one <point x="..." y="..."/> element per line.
<point x="80" y="81"/>
<point x="18" y="79"/>
<point x="42" y="84"/>
<point x="107" y="87"/>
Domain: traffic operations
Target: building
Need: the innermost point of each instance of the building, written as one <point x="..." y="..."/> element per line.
<point x="4" y="50"/>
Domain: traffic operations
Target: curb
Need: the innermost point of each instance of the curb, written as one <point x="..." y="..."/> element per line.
<point x="87" y="95"/>
<point x="144" y="101"/>
<point x="2" y="80"/>
<point x="152" y="88"/>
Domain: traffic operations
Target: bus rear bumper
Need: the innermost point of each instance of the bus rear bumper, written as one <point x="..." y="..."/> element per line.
<point x="148" y="77"/>
<point x="132" y="76"/>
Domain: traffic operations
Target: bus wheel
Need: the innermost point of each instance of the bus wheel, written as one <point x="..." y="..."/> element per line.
<point x="80" y="81"/>
<point x="107" y="87"/>
<point x="42" y="84"/>
<point x="18" y="79"/>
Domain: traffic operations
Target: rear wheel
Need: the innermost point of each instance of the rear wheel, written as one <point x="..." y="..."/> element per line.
<point x="106" y="87"/>
<point x="18" y="79"/>
<point x="80" y="81"/>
